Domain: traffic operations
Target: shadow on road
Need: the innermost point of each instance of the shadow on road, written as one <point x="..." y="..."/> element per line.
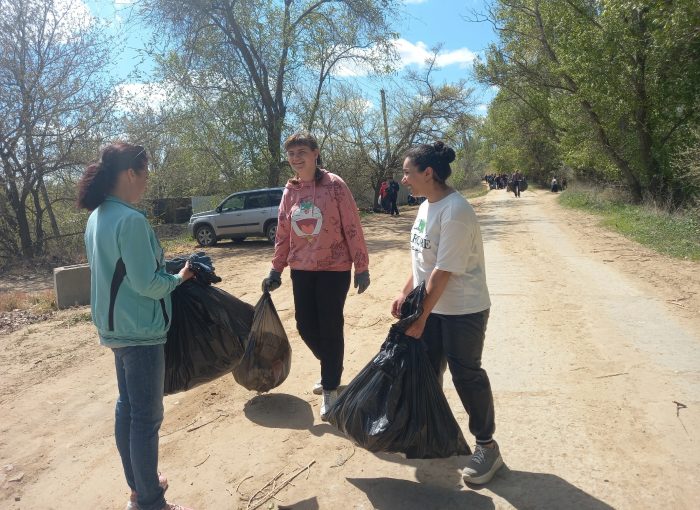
<point x="524" y="489"/>
<point x="283" y="411"/>
<point x="397" y="494"/>
<point x="307" y="504"/>
<point x="279" y="410"/>
<point x="439" y="485"/>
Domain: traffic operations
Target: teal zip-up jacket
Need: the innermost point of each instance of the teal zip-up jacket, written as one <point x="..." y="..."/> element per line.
<point x="129" y="288"/>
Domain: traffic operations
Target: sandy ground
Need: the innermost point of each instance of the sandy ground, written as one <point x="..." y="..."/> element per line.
<point x="592" y="341"/>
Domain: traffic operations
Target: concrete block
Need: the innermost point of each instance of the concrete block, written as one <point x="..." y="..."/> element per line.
<point x="72" y="285"/>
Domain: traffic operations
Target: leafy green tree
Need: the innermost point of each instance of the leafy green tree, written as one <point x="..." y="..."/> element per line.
<point x="261" y="53"/>
<point x="518" y="139"/>
<point x="618" y="78"/>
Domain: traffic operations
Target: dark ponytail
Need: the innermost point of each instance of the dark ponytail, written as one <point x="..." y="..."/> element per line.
<point x="437" y="156"/>
<point x="99" y="178"/>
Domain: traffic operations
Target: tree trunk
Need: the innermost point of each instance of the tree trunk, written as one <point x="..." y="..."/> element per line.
<point x="621" y="163"/>
<point x="48" y="208"/>
<point x="38" y="224"/>
<point x="23" y="231"/>
<point x="274" y="146"/>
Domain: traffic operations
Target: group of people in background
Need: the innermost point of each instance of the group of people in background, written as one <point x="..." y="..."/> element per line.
<point x="558" y="185"/>
<point x="388" y="195"/>
<point x="514" y="182"/>
<point x="320" y="238"/>
<point x="497" y="181"/>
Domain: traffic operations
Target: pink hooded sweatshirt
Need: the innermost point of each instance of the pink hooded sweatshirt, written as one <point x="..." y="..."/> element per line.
<point x="318" y="228"/>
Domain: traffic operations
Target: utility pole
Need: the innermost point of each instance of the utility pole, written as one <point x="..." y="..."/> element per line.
<point x="387" y="154"/>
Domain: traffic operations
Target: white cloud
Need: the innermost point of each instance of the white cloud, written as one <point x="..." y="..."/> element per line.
<point x="134" y="97"/>
<point x="419" y="52"/>
<point x="482" y="108"/>
<point x="409" y="54"/>
<point x="70" y="17"/>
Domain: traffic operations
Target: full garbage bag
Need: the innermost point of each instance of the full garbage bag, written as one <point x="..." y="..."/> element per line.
<point x="268" y="354"/>
<point x="200" y="263"/>
<point x="395" y="403"/>
<point x="207" y="332"/>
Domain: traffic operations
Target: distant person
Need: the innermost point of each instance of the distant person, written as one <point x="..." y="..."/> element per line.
<point x="131" y="308"/>
<point x="393" y="196"/>
<point x="319" y="236"/>
<point x="517" y="183"/>
<point x="555" y="186"/>
<point x="447" y="254"/>
<point x="383" y="196"/>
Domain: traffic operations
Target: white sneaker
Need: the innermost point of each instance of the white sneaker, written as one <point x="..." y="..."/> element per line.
<point x="318" y="388"/>
<point x="329" y="398"/>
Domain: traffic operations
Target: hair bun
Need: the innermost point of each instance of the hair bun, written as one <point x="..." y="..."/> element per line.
<point x="444" y="152"/>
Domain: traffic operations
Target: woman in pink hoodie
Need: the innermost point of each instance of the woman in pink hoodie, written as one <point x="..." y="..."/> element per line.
<point x="319" y="236"/>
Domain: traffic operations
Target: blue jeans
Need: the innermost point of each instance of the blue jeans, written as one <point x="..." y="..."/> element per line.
<point x="139" y="413"/>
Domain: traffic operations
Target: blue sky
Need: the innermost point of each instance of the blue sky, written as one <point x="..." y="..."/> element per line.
<point x="426" y="23"/>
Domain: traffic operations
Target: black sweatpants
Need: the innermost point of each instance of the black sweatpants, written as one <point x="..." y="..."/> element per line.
<point x="392" y="207"/>
<point x="319" y="300"/>
<point x="457" y="341"/>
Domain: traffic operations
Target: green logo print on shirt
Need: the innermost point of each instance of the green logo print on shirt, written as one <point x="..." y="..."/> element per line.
<point x="418" y="240"/>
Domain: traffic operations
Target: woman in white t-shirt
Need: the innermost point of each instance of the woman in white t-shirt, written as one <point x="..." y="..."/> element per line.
<point x="447" y="253"/>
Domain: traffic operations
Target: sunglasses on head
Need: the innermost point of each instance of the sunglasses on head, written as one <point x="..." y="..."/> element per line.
<point x="142" y="151"/>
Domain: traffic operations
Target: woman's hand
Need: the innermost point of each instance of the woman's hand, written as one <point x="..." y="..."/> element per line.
<point x="186" y="272"/>
<point x="396" y="305"/>
<point x="415" y="330"/>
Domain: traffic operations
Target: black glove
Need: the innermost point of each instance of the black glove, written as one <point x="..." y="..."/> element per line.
<point x="272" y="282"/>
<point x="361" y="281"/>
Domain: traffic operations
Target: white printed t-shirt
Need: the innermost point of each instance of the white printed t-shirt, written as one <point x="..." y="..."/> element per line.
<point x="446" y="236"/>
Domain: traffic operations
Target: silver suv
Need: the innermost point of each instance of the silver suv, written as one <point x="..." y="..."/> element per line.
<point x="248" y="213"/>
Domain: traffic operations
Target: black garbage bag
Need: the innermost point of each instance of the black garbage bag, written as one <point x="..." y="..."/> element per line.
<point x="200" y="264"/>
<point x="206" y="336"/>
<point x="395" y="403"/>
<point x="268" y="354"/>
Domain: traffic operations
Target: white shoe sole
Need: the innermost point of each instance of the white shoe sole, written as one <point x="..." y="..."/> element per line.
<point x="486" y="477"/>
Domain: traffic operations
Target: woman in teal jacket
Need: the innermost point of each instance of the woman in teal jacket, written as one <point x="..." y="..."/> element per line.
<point x="131" y="308"/>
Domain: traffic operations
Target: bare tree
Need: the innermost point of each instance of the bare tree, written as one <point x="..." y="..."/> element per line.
<point x="259" y="50"/>
<point x="52" y="103"/>
<point x="417" y="111"/>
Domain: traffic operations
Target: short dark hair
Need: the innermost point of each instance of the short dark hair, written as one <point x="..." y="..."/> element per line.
<point x="99" y="178"/>
<point x="301" y="138"/>
<point x="308" y="140"/>
<point x="437" y="156"/>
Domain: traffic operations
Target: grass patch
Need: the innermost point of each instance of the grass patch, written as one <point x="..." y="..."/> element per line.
<point x="676" y="235"/>
<point x="42" y="301"/>
<point x="475" y="191"/>
<point x="181" y="244"/>
<point x="78" y="318"/>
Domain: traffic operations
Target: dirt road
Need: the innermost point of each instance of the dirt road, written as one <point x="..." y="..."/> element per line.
<point x="592" y="339"/>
